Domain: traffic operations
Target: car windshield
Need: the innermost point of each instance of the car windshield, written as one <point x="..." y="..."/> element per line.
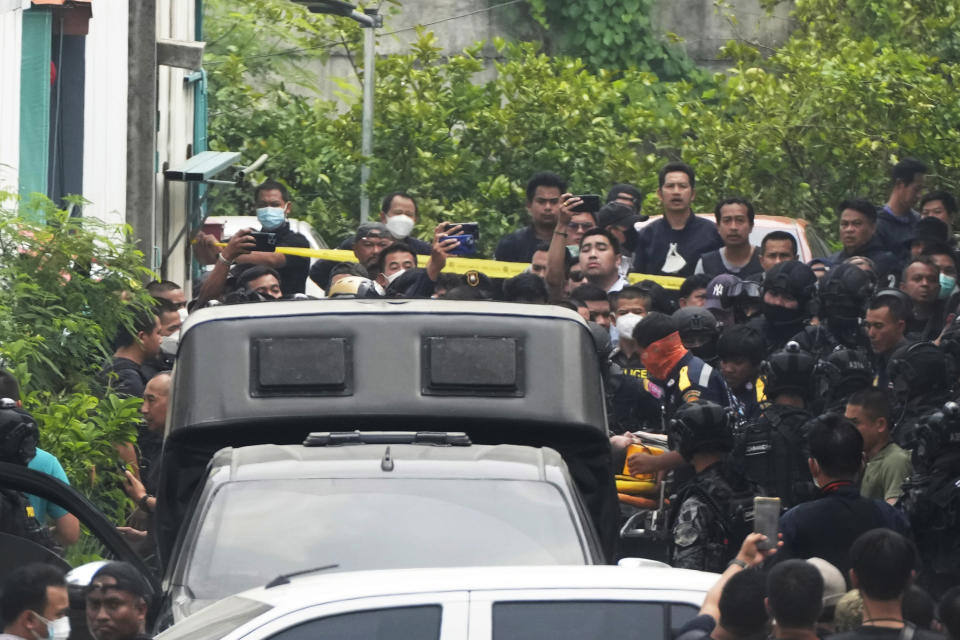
<point x="254" y="531"/>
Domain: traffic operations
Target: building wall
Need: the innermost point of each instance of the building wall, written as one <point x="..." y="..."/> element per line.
<point x="10" y="32"/>
<point x="105" y="122"/>
<point x="175" y="98"/>
<point x="702" y="27"/>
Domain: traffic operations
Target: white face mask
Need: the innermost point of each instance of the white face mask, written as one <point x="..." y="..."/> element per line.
<point x="169" y="344"/>
<point x="58" y="629"/>
<point x="400" y="225"/>
<point x="627" y="323"/>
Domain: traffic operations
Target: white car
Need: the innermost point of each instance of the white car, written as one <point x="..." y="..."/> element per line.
<point x="475" y="603"/>
<point x="223" y="227"/>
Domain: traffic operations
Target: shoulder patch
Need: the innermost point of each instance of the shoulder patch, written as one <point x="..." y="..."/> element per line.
<point x="692" y="395"/>
<point x="683" y="378"/>
<point x="705" y="375"/>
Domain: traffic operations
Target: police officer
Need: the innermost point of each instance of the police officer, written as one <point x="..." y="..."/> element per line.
<point x="711" y="514"/>
<point x="838" y="376"/>
<point x="843" y="296"/>
<point x="921" y="378"/>
<point x="699" y="332"/>
<point x="788" y="290"/>
<point x="931" y="498"/>
<point x="674" y="377"/>
<point x="741" y="350"/>
<point x="771" y="450"/>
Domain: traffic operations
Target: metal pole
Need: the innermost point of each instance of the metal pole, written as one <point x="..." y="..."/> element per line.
<point x="366" y="145"/>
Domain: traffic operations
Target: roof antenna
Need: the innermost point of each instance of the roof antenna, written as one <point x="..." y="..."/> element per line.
<point x="387" y="463"/>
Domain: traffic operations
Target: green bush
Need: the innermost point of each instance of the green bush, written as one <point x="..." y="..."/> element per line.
<point x="67" y="285"/>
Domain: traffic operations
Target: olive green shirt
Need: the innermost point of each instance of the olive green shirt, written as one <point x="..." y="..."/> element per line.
<point x="885" y="473"/>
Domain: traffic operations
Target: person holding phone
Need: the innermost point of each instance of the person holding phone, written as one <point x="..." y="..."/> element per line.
<point x="272" y="204"/>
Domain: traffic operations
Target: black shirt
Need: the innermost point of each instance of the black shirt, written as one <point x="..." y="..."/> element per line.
<point x="518" y="246"/>
<point x="124" y="377"/>
<point x="826" y="527"/>
<point x="293" y="275"/>
<point x="697" y="237"/>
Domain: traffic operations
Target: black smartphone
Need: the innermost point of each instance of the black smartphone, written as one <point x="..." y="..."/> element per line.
<point x="265" y="241"/>
<point x="589" y="204"/>
<point x="466" y="229"/>
<point x="766" y="520"/>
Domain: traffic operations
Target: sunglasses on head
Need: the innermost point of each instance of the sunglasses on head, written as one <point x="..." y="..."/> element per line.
<point x="576" y="276"/>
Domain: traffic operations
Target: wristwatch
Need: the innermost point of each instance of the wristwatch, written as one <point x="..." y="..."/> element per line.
<point x="737" y="561"/>
<point x="220" y="257"/>
<point x="143" y="504"/>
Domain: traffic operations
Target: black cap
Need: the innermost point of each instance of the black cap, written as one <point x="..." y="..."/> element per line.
<point x="127" y="578"/>
<point x="654" y="326"/>
<point x="617" y="213"/>
<point x="372" y="230"/>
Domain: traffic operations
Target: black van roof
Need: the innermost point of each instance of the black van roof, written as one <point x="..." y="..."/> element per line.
<point x="380" y="363"/>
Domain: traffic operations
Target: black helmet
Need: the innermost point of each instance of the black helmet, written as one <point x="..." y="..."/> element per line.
<point x="694" y="320"/>
<point x="18" y="434"/>
<point x="788" y="370"/>
<point x="793" y="277"/>
<point x="919" y="369"/>
<point x="935" y="433"/>
<point x="699" y="331"/>
<point x="840" y="374"/>
<point x="701" y="426"/>
<point x="845" y="291"/>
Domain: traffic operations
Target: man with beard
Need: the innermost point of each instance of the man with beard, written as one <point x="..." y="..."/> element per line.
<point x="788" y="288"/>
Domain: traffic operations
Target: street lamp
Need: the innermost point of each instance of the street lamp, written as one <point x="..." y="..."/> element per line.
<point x="370" y="19"/>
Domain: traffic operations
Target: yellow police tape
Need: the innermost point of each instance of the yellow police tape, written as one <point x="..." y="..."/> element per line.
<point x="492" y="268"/>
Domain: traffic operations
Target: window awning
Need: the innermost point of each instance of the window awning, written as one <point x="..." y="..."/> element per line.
<point x="77" y="14"/>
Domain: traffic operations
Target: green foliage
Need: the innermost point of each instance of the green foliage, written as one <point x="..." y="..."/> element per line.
<point x="261" y="59"/>
<point x="822" y="118"/>
<point x="59" y="303"/>
<point x="63" y="283"/>
<point x="612" y="34"/>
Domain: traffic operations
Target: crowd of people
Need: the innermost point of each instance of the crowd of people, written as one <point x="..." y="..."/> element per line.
<point x="829" y="384"/>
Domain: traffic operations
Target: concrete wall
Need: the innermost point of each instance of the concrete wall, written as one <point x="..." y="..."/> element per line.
<point x="11" y="20"/>
<point x="460" y="23"/>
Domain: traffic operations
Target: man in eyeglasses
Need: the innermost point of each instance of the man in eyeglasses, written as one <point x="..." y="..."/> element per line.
<point x="116" y="602"/>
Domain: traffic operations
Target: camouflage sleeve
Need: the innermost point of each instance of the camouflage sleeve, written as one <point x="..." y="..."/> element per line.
<point x="689" y="550"/>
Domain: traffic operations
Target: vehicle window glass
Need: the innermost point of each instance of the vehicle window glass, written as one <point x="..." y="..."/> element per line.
<point x="402" y="623"/>
<point x="681" y="614"/>
<point x="372" y="523"/>
<point x="578" y="620"/>
<point x="216" y="620"/>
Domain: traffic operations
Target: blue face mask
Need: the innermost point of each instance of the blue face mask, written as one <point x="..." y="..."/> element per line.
<point x="947" y="283"/>
<point x="270" y="217"/>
